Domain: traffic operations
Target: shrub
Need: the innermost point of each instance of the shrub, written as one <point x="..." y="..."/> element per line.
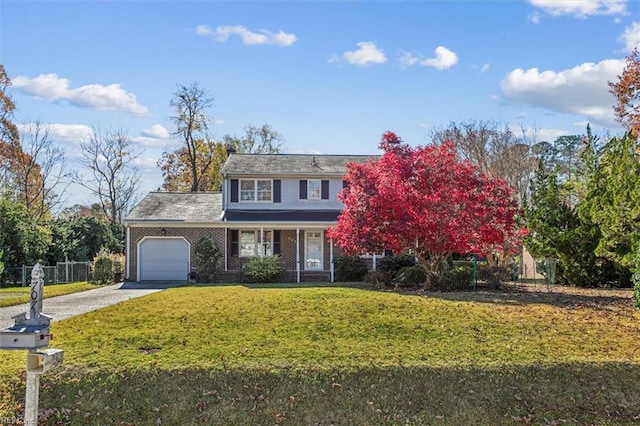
<point x="265" y="269"/>
<point x="103" y="268"/>
<point x="395" y="263"/>
<point x="494" y="276"/>
<point x="118" y="262"/>
<point x="379" y="279"/>
<point x="458" y="278"/>
<point x="410" y="276"/>
<point x="350" y="268"/>
<point x="207" y="258"/>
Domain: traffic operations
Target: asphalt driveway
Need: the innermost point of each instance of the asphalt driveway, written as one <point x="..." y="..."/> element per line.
<point x="63" y="307"/>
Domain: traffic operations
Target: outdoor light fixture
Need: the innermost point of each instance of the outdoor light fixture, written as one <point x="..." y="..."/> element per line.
<point x="163" y="231"/>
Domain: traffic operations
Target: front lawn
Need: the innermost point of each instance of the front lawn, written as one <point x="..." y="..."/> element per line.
<point x="321" y="355"/>
<point x="17" y="295"/>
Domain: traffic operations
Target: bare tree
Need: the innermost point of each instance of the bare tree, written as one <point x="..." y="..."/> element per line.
<point x="114" y="179"/>
<point x="191" y="104"/>
<point x="496" y="149"/>
<point x="40" y="170"/>
<point x="256" y="140"/>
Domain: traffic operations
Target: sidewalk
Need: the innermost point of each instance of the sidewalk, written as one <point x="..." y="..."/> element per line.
<point x="63" y="307"/>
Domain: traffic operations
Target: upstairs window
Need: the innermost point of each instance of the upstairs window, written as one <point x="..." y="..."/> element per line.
<point x="256" y="190"/>
<point x="247" y="190"/>
<point x="313" y="190"/>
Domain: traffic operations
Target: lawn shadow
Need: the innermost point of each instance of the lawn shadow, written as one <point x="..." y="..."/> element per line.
<point x="151" y="285"/>
<point x="356" y="285"/>
<point x="561" y="297"/>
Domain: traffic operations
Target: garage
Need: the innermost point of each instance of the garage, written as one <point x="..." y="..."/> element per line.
<point x="163" y="259"/>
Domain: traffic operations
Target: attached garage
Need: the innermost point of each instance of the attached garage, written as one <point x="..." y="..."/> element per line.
<point x="163" y="259"/>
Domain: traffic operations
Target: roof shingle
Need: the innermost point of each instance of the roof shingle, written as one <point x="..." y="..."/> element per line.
<point x="178" y="207"/>
<point x="290" y="164"/>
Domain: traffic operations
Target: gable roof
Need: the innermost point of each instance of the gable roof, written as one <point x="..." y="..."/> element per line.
<point x="290" y="164"/>
<point x="177" y="207"/>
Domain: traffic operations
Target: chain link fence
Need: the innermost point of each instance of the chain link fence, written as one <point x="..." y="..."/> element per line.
<point x="63" y="272"/>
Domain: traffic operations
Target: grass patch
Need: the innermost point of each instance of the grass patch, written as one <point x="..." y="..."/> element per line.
<point x="323" y="355"/>
<point x="17" y="295"/>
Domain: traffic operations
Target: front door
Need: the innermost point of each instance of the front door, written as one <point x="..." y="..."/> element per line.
<point x="313" y="253"/>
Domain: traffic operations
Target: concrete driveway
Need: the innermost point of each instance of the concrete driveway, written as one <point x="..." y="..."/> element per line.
<point x="63" y="307"/>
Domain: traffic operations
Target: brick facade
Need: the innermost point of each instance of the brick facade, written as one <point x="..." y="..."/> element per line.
<point x="234" y="263"/>
<point x="192" y="235"/>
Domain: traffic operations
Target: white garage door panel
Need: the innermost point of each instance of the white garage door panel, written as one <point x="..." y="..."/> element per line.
<point x="164" y="259"/>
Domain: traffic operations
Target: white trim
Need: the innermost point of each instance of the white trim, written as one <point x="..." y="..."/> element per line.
<point x="154" y="237"/>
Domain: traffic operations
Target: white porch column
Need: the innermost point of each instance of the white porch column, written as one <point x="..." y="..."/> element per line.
<point x="226" y="245"/>
<point x="261" y="252"/>
<point x="331" y="259"/>
<point x="375" y="257"/>
<point x="297" y="255"/>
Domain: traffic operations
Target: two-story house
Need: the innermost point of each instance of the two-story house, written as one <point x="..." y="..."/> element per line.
<point x="270" y="204"/>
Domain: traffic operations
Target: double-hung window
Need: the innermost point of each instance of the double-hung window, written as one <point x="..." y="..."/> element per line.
<point x="252" y="190"/>
<point x="314" y="189"/>
<point x="253" y="244"/>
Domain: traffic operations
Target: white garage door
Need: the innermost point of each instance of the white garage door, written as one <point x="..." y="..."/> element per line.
<point x="164" y="259"/>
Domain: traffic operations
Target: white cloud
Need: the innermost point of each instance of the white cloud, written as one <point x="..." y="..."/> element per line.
<point x="155" y="136"/>
<point x="146" y="164"/>
<point x="484" y="68"/>
<point x="444" y="59"/>
<point x="222" y="33"/>
<point x="73" y="133"/>
<point x="157" y="131"/>
<point x="631" y="37"/>
<point x="582" y="90"/>
<point x="546" y="135"/>
<point x="407" y="59"/>
<point x="580" y="8"/>
<point x="92" y="96"/>
<point x="366" y="54"/>
<point x="534" y="17"/>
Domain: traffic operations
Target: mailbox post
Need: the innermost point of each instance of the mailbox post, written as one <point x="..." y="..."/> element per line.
<point x="33" y="334"/>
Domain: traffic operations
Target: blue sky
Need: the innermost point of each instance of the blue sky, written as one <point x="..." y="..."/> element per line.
<point x="330" y="76"/>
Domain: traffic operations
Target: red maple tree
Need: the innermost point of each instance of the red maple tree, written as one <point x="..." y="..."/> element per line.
<point x="425" y="201"/>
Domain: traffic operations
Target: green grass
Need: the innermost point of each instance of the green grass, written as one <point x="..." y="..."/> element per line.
<point x="322" y="355"/>
<point x="17" y="295"/>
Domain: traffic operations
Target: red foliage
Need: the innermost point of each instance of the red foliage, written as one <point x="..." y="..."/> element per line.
<point x="427" y="200"/>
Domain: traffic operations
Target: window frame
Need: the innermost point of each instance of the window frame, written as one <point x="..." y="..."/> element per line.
<point x="311" y="192"/>
<point x="258" y="251"/>
<point x="255" y="191"/>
